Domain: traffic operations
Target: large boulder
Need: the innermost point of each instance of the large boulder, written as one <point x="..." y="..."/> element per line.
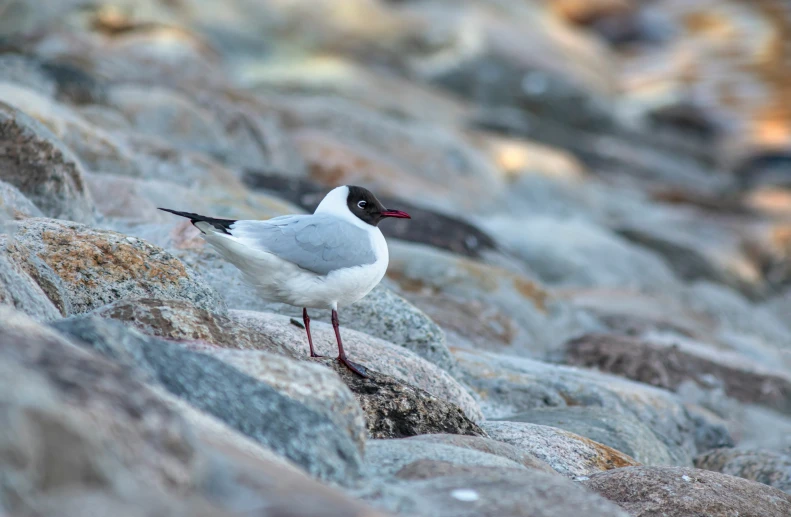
<point x="649" y="491"/>
<point x="765" y="466"/>
<point x="81" y="268"/>
<point x="41" y="166"/>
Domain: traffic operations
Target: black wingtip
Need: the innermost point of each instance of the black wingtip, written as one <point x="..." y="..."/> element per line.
<point x="220" y="224"/>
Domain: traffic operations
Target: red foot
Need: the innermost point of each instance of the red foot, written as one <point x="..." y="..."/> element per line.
<point x="356" y="368"/>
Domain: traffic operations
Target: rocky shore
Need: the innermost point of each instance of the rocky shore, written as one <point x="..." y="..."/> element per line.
<point x="589" y="313"/>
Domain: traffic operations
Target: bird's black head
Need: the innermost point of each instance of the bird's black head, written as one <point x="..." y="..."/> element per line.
<point x="366" y="207"/>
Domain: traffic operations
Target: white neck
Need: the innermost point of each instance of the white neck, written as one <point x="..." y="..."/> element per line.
<point x="334" y="204"/>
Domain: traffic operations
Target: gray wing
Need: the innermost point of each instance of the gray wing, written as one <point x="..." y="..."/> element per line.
<point x="316" y="242"/>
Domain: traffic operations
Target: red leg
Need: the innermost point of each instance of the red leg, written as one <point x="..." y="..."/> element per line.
<point x="306" y="320"/>
<point x="359" y="370"/>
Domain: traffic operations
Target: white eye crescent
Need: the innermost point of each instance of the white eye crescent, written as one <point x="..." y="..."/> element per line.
<point x="361" y="204"/>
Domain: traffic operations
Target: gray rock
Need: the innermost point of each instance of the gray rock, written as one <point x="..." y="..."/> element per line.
<point x="397" y="410"/>
<point x="292" y="429"/>
<point x="313" y="385"/>
<point x="371" y="352"/>
<point x="80" y="268"/>
<point x="14" y="204"/>
<point x="569" y="454"/>
<point x="510" y="385"/>
<point x="42" y="167"/>
<point x="649" y="491"/>
<point x="20" y="291"/>
<point x="765" y="466"/>
<point x="488" y="446"/>
<point x="179" y="320"/>
<point x="621" y="431"/>
<point x="488" y="492"/>
<point x="669" y="364"/>
<point x="481" y="306"/>
<point x="385" y="458"/>
<point x="113" y="444"/>
<point x="577" y="253"/>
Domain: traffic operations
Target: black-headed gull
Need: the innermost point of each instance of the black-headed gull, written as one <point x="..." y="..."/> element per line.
<point x="324" y="260"/>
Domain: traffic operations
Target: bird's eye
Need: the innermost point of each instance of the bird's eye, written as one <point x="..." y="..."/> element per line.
<point x="362" y="204"/>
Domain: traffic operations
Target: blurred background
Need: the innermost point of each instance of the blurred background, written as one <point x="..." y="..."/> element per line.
<point x="631" y="158"/>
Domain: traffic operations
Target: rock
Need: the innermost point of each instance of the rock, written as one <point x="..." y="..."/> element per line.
<point x="42" y="167"/>
<point x="765" y="466"/>
<point x="488" y="492"/>
<point x="111" y="443"/>
<point x="181" y="321"/>
<point x="311" y="384"/>
<point x="488" y="446"/>
<point x="163" y="113"/>
<point x="517" y="313"/>
<point x="20" y="291"/>
<point x="14" y="204"/>
<point x="397" y="410"/>
<point x="385" y="458"/>
<point x="292" y="429"/>
<point x="577" y="253"/>
<point x="668" y="364"/>
<point x="344" y="143"/>
<point x="80" y="268"/>
<point x="622" y="432"/>
<point x="510" y="385"/>
<point x="645" y="491"/>
<point x="568" y="453"/>
<point x="97" y="149"/>
<point x="373" y="353"/>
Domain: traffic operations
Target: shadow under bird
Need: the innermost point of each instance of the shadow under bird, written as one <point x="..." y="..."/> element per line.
<point x="324" y="260"/>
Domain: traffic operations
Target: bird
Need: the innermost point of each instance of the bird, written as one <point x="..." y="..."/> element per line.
<point x="324" y="260"/>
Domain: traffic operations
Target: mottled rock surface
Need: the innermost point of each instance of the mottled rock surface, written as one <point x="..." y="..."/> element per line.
<point x="81" y="268"/>
<point x="292" y="429"/>
<point x="569" y="454"/>
<point x="394" y="409"/>
<point x="42" y="167"/>
<point x="765" y="466"/>
<point x="649" y="491"/>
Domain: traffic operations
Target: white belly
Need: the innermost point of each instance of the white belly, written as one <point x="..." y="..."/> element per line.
<point x="281" y="281"/>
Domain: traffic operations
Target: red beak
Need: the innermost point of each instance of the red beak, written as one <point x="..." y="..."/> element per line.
<point x="395" y="213"/>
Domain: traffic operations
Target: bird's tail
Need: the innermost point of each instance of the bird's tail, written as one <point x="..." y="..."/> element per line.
<point x="223" y="225"/>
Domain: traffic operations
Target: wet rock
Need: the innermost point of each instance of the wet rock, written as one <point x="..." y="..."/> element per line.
<point x="397" y="410"/>
<point x="622" y="432"/>
<point x="510" y="385"/>
<point x="292" y="429"/>
<point x="488" y="492"/>
<point x="488" y="446"/>
<point x="765" y="466"/>
<point x="668" y="364"/>
<point x="386" y="458"/>
<point x="80" y="268"/>
<point x="14" y="204"/>
<point x="569" y="454"/>
<point x="182" y="321"/>
<point x="370" y="352"/>
<point x="644" y="491"/>
<point x="42" y="167"/>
